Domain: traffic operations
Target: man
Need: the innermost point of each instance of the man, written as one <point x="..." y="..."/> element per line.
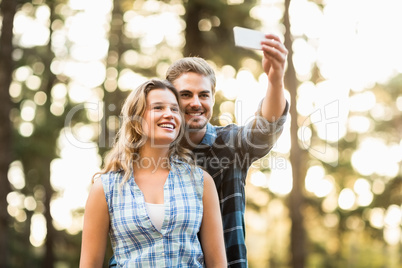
<point x="227" y="152"/>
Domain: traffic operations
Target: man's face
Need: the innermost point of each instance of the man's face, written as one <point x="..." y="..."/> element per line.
<point x="196" y="99"/>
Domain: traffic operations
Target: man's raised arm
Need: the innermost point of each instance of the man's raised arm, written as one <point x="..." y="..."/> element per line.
<point x="273" y="63"/>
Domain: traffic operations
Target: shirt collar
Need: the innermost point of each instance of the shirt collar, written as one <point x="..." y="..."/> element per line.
<point x="210" y="135"/>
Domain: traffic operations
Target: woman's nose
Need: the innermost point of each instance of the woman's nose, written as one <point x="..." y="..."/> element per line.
<point x="168" y="113"/>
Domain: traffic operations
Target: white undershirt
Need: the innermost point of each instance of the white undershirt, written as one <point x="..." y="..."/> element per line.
<point x="156" y="213"/>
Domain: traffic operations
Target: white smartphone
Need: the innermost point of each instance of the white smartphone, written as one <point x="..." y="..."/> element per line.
<point x="247" y="38"/>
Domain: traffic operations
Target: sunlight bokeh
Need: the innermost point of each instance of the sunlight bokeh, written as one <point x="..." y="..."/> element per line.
<point x="349" y="52"/>
<point x="364" y="162"/>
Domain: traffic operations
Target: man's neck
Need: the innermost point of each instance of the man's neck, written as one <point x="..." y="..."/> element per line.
<point x="193" y="137"/>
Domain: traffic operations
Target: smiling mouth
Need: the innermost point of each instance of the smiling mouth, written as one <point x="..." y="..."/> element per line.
<point x="195" y="114"/>
<point x="169" y="126"/>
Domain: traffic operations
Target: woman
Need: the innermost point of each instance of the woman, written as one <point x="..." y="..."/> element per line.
<point x="158" y="210"/>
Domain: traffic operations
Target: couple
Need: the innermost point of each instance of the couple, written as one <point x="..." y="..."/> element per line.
<point x="166" y="213"/>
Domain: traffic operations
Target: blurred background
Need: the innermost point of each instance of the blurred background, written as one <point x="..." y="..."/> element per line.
<point x="328" y="195"/>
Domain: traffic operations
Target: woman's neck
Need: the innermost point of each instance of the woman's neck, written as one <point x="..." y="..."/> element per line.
<point x="151" y="160"/>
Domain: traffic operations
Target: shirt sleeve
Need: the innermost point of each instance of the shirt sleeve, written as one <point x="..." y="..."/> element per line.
<point x="265" y="126"/>
<point x="108" y="187"/>
<point x="259" y="135"/>
<point x="200" y="182"/>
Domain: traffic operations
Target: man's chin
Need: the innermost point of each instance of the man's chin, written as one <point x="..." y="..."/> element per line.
<point x="196" y="125"/>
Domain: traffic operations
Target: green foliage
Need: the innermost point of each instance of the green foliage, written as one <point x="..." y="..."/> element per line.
<point x="349" y="242"/>
<point x="217" y="43"/>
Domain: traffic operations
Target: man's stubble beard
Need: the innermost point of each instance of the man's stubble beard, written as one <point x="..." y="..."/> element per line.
<point x="196" y="125"/>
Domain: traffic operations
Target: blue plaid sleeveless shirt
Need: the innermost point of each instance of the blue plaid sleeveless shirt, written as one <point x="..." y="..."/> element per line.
<point x="135" y="241"/>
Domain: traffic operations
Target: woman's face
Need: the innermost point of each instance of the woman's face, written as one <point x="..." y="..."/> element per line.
<point x="162" y="118"/>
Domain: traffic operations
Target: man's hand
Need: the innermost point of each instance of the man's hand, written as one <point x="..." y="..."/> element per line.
<point x="274" y="59"/>
<point x="273" y="63"/>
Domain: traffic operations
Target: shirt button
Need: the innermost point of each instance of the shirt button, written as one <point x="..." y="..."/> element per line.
<point x="163" y="254"/>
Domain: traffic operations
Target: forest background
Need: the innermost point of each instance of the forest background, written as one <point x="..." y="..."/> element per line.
<point x="328" y="195"/>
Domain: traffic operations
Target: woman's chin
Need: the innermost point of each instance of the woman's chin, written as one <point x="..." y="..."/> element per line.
<point x="161" y="144"/>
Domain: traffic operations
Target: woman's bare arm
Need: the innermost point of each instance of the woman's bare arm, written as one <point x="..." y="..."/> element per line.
<point x="211" y="232"/>
<point x="96" y="228"/>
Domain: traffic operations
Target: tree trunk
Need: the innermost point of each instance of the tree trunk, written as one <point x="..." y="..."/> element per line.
<point x="45" y="157"/>
<point x="297" y="158"/>
<point x="51" y="232"/>
<point x="8" y="10"/>
<point x="194" y="42"/>
<point x="118" y="44"/>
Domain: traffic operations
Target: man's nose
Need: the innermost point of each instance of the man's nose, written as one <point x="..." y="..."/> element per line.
<point x="195" y="102"/>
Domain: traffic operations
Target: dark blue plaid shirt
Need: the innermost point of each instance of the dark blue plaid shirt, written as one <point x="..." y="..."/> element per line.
<point x="226" y="153"/>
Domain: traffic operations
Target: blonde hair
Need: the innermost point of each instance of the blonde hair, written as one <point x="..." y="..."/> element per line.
<point x="130" y="137"/>
<point x="191" y="64"/>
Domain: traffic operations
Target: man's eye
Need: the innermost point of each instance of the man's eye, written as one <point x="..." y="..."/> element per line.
<point x="205" y="95"/>
<point x="184" y="95"/>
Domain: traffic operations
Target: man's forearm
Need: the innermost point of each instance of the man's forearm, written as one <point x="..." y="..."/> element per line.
<point x="274" y="103"/>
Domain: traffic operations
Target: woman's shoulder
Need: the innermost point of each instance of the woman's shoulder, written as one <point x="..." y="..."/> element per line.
<point x="111" y="178"/>
<point x="184" y="167"/>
